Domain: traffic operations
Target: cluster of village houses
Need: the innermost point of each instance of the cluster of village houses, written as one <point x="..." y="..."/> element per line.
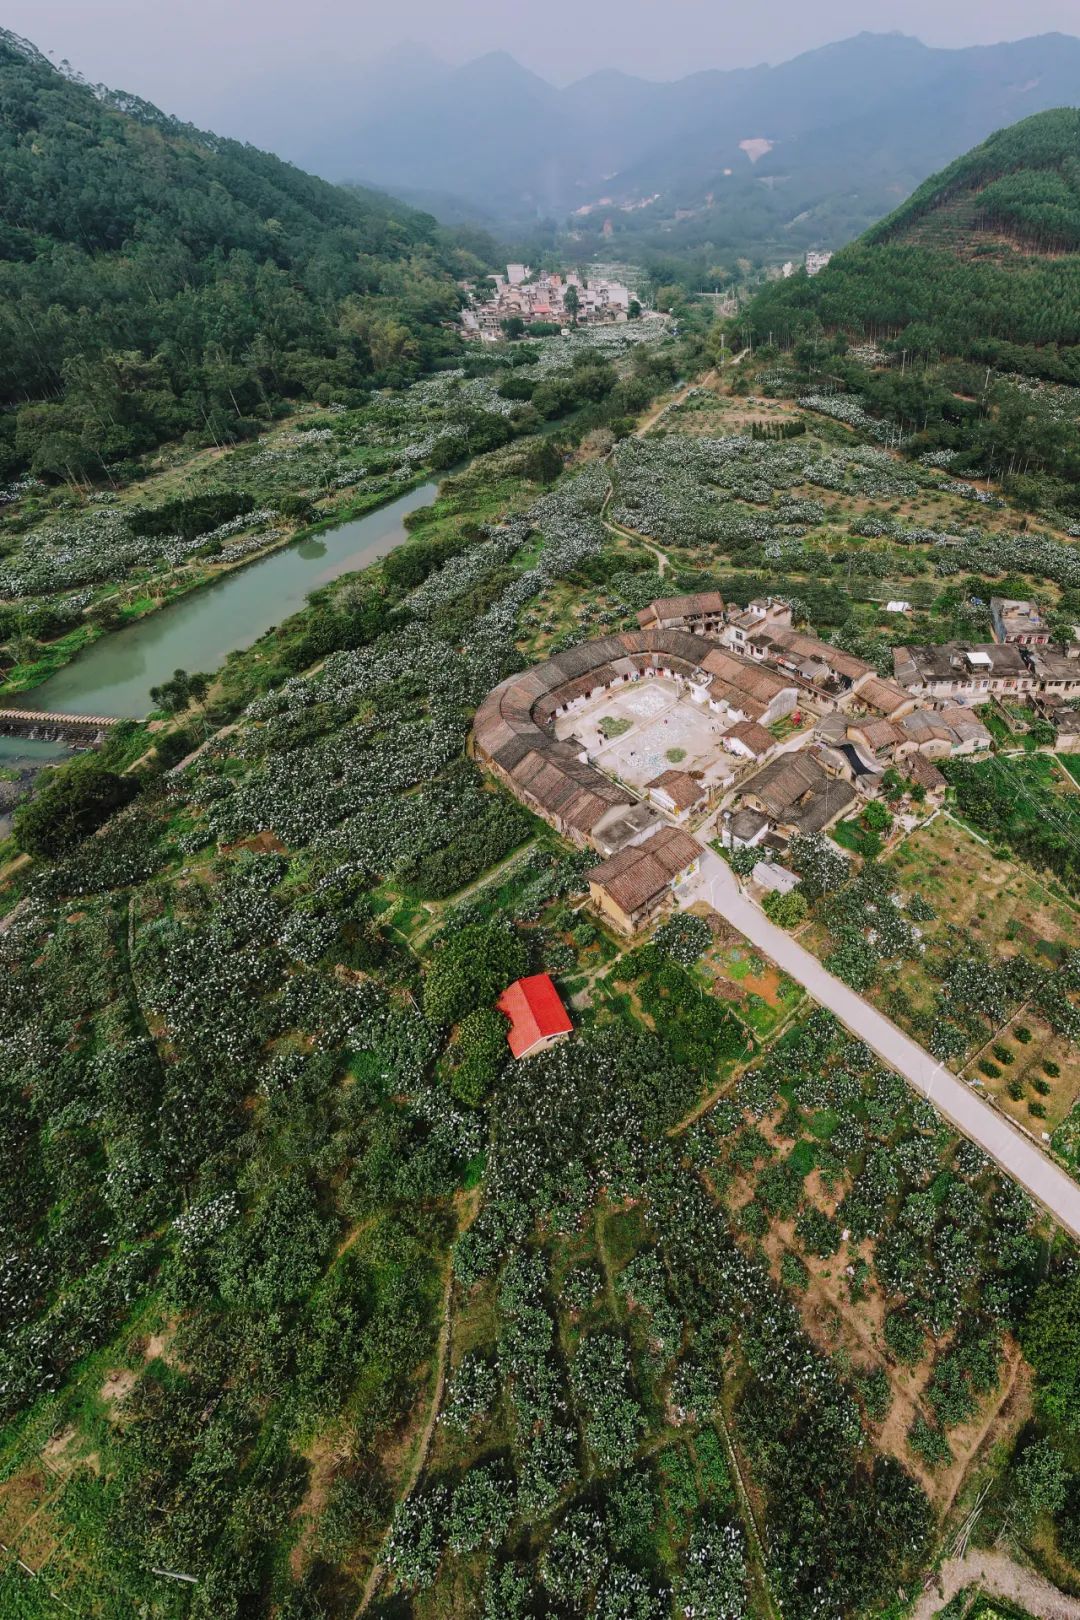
<point x="750" y="669"/>
<point x="542" y="297"/>
<point x="814" y="265"/>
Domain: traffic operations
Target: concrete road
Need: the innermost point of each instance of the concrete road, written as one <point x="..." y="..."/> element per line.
<point x="1022" y="1158"/>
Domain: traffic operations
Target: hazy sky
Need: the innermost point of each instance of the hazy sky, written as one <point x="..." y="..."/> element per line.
<point x="210" y="60"/>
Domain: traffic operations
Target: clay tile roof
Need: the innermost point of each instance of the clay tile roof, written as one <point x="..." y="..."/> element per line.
<point x="885" y="696"/>
<point x="880" y="733"/>
<point x="822" y="652"/>
<point x="535" y="1011"/>
<point x="683" y="789"/>
<point x="919" y="769"/>
<point x="637" y="874"/>
<point x="752" y="736"/>
<point x="797" y="792"/>
<point x="740" y="675"/>
<point x="667" y="609"/>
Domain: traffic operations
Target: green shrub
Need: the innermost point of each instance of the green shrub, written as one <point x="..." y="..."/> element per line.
<point x="904" y="1337"/>
<point x="874" y="1392"/>
<point x="470" y="970"/>
<point x="683" y="938"/>
<point x="581" y="1287"/>
<point x="478" y="1053"/>
<point x="786" y="910"/>
<point x="743" y="861"/>
<point x="71" y="803"/>
<point x="929" y="1444"/>
<point x="876" y="817"/>
<point x="793" y="1273"/>
<point x="818" y="1233"/>
<point x="780" y="1189"/>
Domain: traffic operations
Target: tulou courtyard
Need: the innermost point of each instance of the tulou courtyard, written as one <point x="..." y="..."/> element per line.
<point x="635" y="733"/>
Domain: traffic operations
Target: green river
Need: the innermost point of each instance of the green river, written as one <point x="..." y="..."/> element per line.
<point x="114" y="675"/>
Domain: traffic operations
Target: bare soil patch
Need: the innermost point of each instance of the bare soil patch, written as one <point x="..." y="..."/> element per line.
<point x="1000" y="1576"/>
<point x="57" y="1444"/>
<point x="118" y="1385"/>
<point x="260" y="843"/>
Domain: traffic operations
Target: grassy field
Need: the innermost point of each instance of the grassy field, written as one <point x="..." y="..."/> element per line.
<point x="997" y="902"/>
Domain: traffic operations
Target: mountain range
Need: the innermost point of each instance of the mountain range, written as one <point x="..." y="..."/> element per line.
<point x="808" y="152"/>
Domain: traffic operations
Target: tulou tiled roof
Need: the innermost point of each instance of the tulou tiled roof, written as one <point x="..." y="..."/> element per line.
<point x="638" y="874"/>
<point x="513" y="725"/>
<point x="670" y="610"/>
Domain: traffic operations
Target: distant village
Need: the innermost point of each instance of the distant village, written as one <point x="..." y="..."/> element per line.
<point x="543" y="298"/>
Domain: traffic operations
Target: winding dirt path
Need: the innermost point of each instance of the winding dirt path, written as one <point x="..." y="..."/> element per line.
<point x="378" y="1569"/>
<point x="695" y="382"/>
<point x="467" y="1205"/>
<point x="999" y="1576"/>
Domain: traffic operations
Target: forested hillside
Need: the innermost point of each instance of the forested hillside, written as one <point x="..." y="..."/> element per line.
<point x="983" y="262"/>
<point x="158" y="281"/>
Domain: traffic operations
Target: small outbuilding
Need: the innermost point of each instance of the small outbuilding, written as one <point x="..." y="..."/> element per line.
<point x="678" y="792"/>
<point x="775" y="879"/>
<point x="536" y="1013"/>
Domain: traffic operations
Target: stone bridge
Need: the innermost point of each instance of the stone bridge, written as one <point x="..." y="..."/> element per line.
<point x="84" y="729"/>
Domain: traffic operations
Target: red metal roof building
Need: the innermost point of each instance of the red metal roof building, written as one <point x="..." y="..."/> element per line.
<point x="536" y="1013"/>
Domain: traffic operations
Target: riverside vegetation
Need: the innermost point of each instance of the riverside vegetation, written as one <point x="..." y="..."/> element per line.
<point x="313" y="1302"/>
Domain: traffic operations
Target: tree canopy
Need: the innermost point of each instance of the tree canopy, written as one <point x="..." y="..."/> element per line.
<point x="157" y="281"/>
<point x="983" y="261"/>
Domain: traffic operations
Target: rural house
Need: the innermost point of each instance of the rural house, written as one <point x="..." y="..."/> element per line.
<point x="635" y="885"/>
<point x="536" y="1013"/>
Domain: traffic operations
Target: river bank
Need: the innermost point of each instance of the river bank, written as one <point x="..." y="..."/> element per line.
<point x="185" y="581"/>
<point x="198" y="630"/>
<point x="21" y="759"/>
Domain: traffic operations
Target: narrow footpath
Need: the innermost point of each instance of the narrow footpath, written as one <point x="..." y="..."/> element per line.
<point x="1014" y="1152"/>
